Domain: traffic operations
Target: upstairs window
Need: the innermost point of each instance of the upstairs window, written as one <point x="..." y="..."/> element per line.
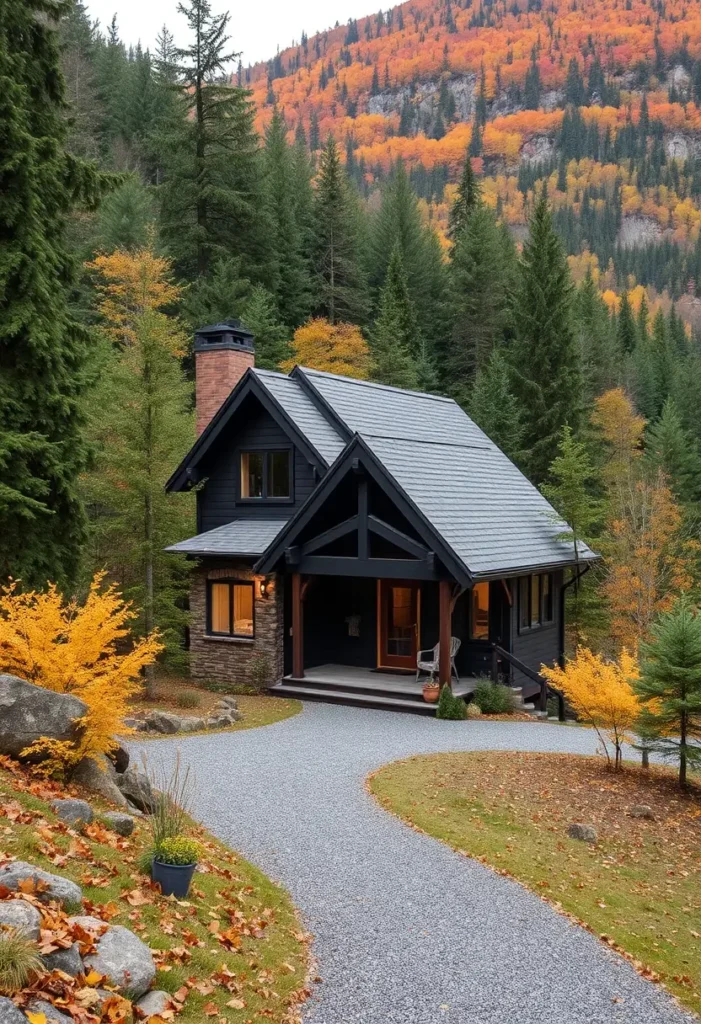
<point x="535" y="602"/>
<point x="266" y="476"/>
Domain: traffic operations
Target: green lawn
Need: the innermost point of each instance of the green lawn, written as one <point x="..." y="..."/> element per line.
<point x="235" y="947"/>
<point x="638" y="887"/>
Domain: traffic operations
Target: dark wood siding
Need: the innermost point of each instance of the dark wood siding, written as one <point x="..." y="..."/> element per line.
<point x="217" y="501"/>
<point x="540" y="646"/>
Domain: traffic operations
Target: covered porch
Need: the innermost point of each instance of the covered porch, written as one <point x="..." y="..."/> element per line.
<point x="371" y="680"/>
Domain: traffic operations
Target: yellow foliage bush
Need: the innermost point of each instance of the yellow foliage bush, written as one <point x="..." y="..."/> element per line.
<point x="601" y="693"/>
<point x="79" y="649"/>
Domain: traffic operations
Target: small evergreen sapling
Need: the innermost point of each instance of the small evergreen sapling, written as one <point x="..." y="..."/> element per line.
<point x="450" y="706"/>
<point x="669" y="687"/>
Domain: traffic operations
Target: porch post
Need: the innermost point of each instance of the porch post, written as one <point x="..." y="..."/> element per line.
<point x="297" y="627"/>
<point x="444" y="632"/>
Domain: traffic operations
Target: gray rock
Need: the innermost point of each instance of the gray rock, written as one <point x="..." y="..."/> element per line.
<point x="73" y="811"/>
<point x="222" y="721"/>
<point x="192" y="724"/>
<point x="21" y="916"/>
<point x="28" y="712"/>
<point x="9" y="1014"/>
<point x="134" y="810"/>
<point x="119" y="757"/>
<point x="585" y="833"/>
<point x="136" y="788"/>
<point x="59" y="888"/>
<point x="122" y="824"/>
<point x="228" y="701"/>
<point x="66" y="960"/>
<point x="100" y="780"/>
<point x="53" y="1016"/>
<point x="125" y="960"/>
<point x="88" y="922"/>
<point x="163" y="721"/>
<point x="138" y="724"/>
<point x="154" y="1002"/>
<point x="642" y="811"/>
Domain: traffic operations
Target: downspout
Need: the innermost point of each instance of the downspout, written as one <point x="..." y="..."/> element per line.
<point x="575" y="579"/>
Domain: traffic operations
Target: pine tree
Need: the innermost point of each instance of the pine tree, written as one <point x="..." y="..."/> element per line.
<point x="599" y="353"/>
<point x="466" y="199"/>
<point x="43" y="350"/>
<point x="340" y="284"/>
<point x="495" y="408"/>
<point x="670" y="687"/>
<point x="479" y="277"/>
<point x="79" y="49"/>
<point x="211" y="195"/>
<point x="545" y="358"/>
<point x="126" y="217"/>
<point x="669" y="447"/>
<point x="292" y="276"/>
<point x="221" y="295"/>
<point x="272" y="338"/>
<point x="626" y="329"/>
<point x="572" y="473"/>
<point x="395" y="343"/>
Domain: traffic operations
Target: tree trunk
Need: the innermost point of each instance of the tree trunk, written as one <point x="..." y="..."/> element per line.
<point x="150" y="671"/>
<point x="682" y="750"/>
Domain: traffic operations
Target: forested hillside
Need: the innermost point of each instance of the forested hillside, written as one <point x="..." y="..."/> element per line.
<point x="496" y="203"/>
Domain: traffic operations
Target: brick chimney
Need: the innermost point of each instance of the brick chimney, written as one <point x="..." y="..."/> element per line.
<point x="223" y="353"/>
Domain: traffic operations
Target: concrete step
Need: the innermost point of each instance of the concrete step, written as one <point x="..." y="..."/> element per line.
<point x="348" y="697"/>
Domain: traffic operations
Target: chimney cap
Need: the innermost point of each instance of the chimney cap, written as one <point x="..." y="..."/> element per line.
<point x="229" y="334"/>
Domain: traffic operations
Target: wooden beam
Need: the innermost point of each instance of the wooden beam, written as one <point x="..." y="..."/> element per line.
<point x="507" y="591"/>
<point x="396" y="537"/>
<point x="444" y="631"/>
<point x="330" y="535"/>
<point x="297" y="627"/>
<point x="363" y="542"/>
<point x="375" y="568"/>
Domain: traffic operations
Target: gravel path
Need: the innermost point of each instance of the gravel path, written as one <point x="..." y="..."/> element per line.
<point x="406" y="931"/>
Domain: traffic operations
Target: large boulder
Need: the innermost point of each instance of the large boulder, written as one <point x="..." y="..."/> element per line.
<point x="66" y="960"/>
<point x="73" y="812"/>
<point x="20" y="916"/>
<point x="163" y="721"/>
<point x="28" y="712"/>
<point x="136" y="788"/>
<point x="122" y="824"/>
<point x="119" y="758"/>
<point x="100" y="778"/>
<point x="584" y="833"/>
<point x="123" y="958"/>
<point x="9" y="1014"/>
<point x="57" y="887"/>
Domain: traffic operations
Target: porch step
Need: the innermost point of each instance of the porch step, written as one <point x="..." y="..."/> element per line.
<point x="363" y="689"/>
<point x="365" y="699"/>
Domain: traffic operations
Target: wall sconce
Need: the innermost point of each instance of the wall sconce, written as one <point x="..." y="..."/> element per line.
<point x="263" y="588"/>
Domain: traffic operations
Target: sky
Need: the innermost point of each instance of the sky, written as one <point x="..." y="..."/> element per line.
<point x="257" y="27"/>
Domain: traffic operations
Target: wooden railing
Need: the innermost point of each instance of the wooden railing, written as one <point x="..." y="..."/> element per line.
<point x="526" y="670"/>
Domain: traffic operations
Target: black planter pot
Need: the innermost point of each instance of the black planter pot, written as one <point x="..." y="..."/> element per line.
<point x="174" y="879"/>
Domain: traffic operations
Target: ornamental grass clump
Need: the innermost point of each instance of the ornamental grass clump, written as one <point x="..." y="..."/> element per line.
<point x="173" y="797"/>
<point x="449" y="706"/>
<point x="189" y="699"/>
<point x="19" y="961"/>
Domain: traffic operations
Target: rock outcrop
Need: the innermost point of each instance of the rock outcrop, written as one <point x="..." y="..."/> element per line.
<point x="28" y="712"/>
<point x="57" y="887"/>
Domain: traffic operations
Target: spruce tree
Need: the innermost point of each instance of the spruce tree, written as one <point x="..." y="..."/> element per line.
<point x="220" y="296"/>
<point x="395" y="342"/>
<point x="211" y="199"/>
<point x="467" y="198"/>
<point x="545" y="358"/>
<point x="480" y="313"/>
<point x="670" y="687"/>
<point x="126" y="217"/>
<point x="43" y="350"/>
<point x="494" y="407"/>
<point x="291" y="271"/>
<point x="598" y="345"/>
<point x="570" y="494"/>
<point x="340" y="282"/>
<point x="626" y="328"/>
<point x="272" y="338"/>
<point x="671" y="448"/>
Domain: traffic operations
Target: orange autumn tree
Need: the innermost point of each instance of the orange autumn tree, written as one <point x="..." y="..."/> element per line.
<point x="336" y="348"/>
<point x="79" y="649"/>
<point x="132" y="285"/>
<point x="648" y="560"/>
<point x="601" y="693"/>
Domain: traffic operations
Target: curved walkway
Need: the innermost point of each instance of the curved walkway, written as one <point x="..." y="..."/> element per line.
<point x="406" y="931"/>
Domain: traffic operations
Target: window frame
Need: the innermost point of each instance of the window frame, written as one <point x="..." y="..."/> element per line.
<point x="543" y="621"/>
<point x="265" y="451"/>
<point x="473" y="638"/>
<point x="231" y="583"/>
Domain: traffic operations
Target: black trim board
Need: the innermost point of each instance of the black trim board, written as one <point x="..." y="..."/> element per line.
<point x="358" y="449"/>
<point x="249" y="384"/>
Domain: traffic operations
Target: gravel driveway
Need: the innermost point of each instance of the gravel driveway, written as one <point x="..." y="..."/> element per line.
<point x="406" y="931"/>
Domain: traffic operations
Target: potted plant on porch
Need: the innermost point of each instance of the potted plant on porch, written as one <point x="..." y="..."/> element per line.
<point x="174" y="862"/>
<point x="431" y="690"/>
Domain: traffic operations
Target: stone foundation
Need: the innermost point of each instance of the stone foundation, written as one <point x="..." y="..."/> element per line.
<point x="234" y="661"/>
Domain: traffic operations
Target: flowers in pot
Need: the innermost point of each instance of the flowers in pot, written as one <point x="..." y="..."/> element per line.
<point x="174" y="862"/>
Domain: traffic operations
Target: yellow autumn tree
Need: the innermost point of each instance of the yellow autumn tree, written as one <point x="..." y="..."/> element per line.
<point x="79" y="649"/>
<point x="336" y="348"/>
<point x="601" y="692"/>
<point x="131" y="285"/>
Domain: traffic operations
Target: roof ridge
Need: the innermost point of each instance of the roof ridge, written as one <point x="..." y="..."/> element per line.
<point x="489" y="446"/>
<point x="378" y="386"/>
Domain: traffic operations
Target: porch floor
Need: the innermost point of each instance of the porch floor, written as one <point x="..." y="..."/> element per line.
<point x="372" y="679"/>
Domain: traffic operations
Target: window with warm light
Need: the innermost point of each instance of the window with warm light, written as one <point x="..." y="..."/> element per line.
<point x="266" y="476"/>
<point x="231" y="609"/>
<point x="479" y="612"/>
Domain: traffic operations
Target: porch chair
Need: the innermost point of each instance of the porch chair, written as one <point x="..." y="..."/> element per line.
<point x="431" y="667"/>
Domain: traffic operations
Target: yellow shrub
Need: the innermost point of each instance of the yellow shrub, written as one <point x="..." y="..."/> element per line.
<point x="78" y="649"/>
<point x="601" y="693"/>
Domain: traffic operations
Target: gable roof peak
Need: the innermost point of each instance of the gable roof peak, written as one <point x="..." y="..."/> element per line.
<point x="375" y="385"/>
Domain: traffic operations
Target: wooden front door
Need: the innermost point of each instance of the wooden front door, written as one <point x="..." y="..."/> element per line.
<point x="399" y="624"/>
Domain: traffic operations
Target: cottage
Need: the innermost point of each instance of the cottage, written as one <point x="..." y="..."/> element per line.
<point x="344" y="526"/>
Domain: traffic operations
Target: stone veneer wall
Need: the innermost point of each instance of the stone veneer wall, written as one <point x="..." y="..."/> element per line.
<point x="225" y="660"/>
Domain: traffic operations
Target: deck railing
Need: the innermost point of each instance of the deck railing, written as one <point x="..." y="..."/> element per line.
<point x="545" y="687"/>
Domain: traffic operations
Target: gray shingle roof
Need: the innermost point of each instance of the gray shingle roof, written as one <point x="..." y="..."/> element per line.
<point x="301" y="409"/>
<point x="489" y="513"/>
<point x="240" y="537"/>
